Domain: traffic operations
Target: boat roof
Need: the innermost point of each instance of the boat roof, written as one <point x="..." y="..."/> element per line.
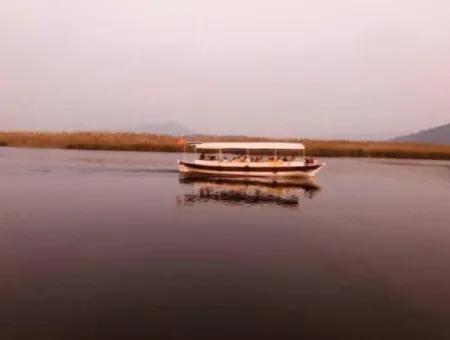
<point x="250" y="146"/>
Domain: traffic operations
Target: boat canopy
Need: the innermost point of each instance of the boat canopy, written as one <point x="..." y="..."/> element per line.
<point x="263" y="146"/>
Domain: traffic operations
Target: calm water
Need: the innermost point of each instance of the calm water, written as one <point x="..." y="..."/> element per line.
<point x="114" y="245"/>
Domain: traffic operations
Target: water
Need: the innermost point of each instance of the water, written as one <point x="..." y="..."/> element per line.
<point x="115" y="245"/>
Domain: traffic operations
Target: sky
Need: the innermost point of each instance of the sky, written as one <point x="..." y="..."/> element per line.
<point x="322" y="68"/>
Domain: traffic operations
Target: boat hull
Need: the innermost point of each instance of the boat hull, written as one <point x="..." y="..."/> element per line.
<point x="247" y="170"/>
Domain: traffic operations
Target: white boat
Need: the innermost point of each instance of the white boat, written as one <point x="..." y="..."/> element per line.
<point x="251" y="159"/>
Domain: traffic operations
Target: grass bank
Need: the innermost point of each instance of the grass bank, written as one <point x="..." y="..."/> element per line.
<point x="151" y="142"/>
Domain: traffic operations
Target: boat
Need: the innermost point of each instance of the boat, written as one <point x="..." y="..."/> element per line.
<point x="259" y="159"/>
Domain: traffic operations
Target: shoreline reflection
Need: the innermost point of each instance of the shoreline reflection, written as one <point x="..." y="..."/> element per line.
<point x="283" y="192"/>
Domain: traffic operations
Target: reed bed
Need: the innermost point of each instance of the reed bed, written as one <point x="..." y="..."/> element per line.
<point x="91" y="141"/>
<point x="165" y="143"/>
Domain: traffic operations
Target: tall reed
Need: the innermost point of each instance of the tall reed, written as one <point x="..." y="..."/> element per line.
<point x="153" y="142"/>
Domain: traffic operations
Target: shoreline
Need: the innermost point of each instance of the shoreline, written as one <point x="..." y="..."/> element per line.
<point x="142" y="142"/>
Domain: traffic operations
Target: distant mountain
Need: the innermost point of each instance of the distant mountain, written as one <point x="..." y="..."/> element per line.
<point x="437" y="135"/>
<point x="166" y="128"/>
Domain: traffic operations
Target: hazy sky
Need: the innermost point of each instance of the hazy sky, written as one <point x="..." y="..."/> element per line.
<point x="277" y="67"/>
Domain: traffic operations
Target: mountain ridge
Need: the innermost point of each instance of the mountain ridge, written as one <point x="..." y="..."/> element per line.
<point x="435" y="135"/>
<point x="166" y="128"/>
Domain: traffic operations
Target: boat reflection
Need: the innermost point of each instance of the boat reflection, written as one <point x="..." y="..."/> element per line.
<point x="248" y="191"/>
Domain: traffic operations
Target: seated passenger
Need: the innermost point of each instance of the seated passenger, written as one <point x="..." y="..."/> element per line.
<point x="202" y="156"/>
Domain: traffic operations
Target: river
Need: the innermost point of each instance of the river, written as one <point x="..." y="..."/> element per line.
<point x="116" y="245"/>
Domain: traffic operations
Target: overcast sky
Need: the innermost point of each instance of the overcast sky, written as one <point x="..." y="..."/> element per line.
<point x="316" y="68"/>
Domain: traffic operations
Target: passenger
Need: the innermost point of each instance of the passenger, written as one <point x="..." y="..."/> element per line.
<point x="285" y="159"/>
<point x="202" y="156"/>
